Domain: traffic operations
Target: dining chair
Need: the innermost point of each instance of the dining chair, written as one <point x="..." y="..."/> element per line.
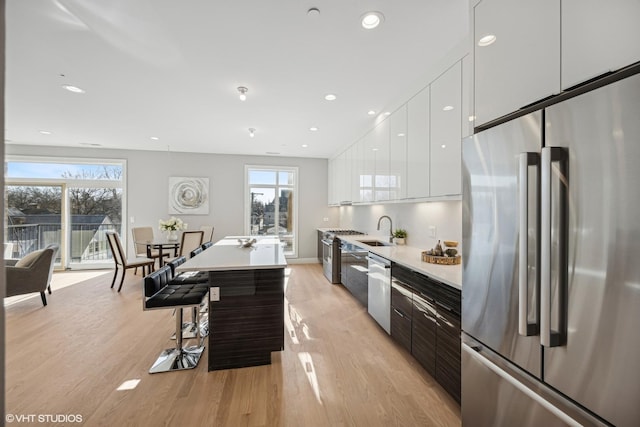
<point x="190" y="241"/>
<point x="120" y="259"/>
<point x="208" y="233"/>
<point x="140" y="236"/>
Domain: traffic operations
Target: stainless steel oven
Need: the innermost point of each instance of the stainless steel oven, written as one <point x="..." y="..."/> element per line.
<point x="327" y="261"/>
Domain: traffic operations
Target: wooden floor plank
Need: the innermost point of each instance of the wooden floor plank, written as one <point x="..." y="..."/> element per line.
<point x="339" y="368"/>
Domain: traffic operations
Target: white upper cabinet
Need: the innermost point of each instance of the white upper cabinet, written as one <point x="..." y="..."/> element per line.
<point x="418" y="145"/>
<point x="345" y="184"/>
<point x="522" y="65"/>
<point x="398" y="154"/>
<point x="381" y="155"/>
<point x="357" y="161"/>
<point x="368" y="168"/>
<point x="597" y="37"/>
<point x="445" y="141"/>
<point x="467" y="97"/>
<point x="331" y="193"/>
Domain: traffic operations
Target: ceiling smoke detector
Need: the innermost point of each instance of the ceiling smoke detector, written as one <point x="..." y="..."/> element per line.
<point x="243" y="93"/>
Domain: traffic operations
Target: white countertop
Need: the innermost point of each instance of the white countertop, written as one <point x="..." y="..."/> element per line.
<point x="411" y="257"/>
<point x="228" y="254"/>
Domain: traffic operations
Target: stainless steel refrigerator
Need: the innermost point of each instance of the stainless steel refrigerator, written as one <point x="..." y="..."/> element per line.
<point x="551" y="265"/>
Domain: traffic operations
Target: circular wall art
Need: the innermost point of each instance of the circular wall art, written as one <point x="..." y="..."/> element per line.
<point x="188" y="195"/>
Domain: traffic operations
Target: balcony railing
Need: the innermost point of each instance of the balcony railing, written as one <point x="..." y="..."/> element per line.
<point x="88" y="242"/>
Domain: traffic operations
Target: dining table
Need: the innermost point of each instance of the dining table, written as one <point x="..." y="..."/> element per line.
<point x="162" y="244"/>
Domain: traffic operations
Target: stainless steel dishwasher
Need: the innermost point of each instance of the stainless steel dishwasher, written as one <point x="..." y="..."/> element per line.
<point x="380" y="290"/>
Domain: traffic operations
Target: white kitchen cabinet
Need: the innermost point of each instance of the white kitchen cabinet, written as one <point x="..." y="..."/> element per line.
<point x="418" y="145"/>
<point x="597" y="37"/>
<point x="345" y="184"/>
<point x="467" y="96"/>
<point x="381" y="155"/>
<point x="356" y="170"/>
<point x="445" y="141"/>
<point x="522" y="65"/>
<point x="368" y="168"/>
<point x="398" y="154"/>
<point x="332" y="197"/>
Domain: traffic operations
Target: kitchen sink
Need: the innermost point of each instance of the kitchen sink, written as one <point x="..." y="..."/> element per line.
<point x="374" y="243"/>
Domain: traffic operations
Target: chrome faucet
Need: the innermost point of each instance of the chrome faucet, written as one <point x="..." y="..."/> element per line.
<point x="390" y="226"/>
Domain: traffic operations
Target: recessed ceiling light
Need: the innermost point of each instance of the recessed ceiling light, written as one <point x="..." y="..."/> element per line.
<point x="486" y="40"/>
<point x="313" y="129"/>
<point x="305" y="145"/>
<point x="443" y="146"/>
<point x="330" y="97"/>
<point x="74" y="89"/>
<point x="401" y="134"/>
<point x="314" y="11"/>
<point x="371" y="113"/>
<point x="472" y="118"/>
<point x="448" y="107"/>
<point x="252" y="132"/>
<point x="374" y="149"/>
<point x="155" y="138"/>
<point x="386" y="113"/>
<point x="371" y="20"/>
<point x="45" y="132"/>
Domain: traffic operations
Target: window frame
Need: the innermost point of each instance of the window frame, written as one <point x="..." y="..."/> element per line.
<point x="277" y="186"/>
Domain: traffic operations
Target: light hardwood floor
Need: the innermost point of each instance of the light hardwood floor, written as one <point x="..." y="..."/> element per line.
<point x="338" y="367"/>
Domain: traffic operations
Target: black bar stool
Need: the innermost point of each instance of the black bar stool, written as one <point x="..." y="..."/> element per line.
<point x="159" y="293"/>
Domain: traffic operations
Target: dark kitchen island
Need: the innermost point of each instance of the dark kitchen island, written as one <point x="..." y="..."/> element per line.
<point x="246" y="308"/>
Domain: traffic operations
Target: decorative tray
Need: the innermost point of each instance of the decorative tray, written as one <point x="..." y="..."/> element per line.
<point x="443" y="260"/>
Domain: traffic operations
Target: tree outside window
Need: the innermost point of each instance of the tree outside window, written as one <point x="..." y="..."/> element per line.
<point x="271" y="204"/>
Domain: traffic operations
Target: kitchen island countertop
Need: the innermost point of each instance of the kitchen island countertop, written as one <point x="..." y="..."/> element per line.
<point x="228" y="254"/>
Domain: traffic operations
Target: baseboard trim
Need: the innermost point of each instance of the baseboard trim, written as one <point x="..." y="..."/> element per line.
<point x="303" y="261"/>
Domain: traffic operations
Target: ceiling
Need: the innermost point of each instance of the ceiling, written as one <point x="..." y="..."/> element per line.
<point x="170" y="69"/>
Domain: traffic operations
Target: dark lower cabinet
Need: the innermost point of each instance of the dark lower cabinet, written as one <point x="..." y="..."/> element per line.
<point x="448" y="352"/>
<point x="401" y="311"/>
<point x="354" y="274"/>
<point x="425" y="319"/>
<point x="423" y="331"/>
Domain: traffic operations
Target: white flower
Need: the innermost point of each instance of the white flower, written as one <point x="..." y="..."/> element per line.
<point x="172" y="224"/>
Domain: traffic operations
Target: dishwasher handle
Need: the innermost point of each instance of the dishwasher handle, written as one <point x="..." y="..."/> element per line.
<point x="379" y="260"/>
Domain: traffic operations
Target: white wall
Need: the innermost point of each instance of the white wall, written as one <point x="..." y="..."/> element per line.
<point x="413" y="217"/>
<point x="147" y="183"/>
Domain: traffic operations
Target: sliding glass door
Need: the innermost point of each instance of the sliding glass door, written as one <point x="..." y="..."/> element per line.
<point x="71" y="204"/>
<point x="34" y="219"/>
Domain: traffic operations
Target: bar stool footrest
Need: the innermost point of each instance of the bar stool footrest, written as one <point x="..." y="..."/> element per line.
<point x="174" y="359"/>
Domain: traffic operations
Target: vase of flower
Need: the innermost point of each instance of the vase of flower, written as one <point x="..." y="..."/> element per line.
<point x="171" y="226"/>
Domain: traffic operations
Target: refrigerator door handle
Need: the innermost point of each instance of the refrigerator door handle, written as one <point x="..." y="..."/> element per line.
<point x="548" y="336"/>
<point x="524" y="327"/>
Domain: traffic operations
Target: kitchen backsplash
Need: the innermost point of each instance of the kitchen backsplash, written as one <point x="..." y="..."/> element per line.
<point x="416" y="218"/>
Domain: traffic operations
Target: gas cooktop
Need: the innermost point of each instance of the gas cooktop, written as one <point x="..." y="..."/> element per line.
<point x="337" y="232"/>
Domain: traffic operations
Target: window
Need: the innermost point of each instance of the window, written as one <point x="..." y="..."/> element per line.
<point x="271" y="204"/>
<point x="68" y="202"/>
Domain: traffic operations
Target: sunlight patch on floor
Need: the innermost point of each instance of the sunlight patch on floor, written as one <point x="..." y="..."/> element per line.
<point x="60" y="280"/>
